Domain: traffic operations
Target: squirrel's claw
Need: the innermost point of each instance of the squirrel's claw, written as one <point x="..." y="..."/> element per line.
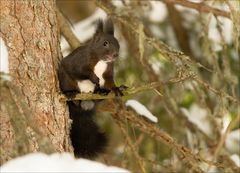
<point x="118" y="91"/>
<point x="123" y="87"/>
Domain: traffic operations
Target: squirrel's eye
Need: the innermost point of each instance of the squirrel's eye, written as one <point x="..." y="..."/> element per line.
<point x="105" y="43"/>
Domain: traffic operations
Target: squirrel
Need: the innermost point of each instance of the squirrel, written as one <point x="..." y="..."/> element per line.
<point x="89" y="68"/>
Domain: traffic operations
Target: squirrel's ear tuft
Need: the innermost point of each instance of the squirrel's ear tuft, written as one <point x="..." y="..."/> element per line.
<point x="108" y="27"/>
<point x="99" y="28"/>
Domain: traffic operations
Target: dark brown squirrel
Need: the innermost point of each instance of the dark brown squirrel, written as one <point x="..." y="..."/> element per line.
<point x="89" y="68"/>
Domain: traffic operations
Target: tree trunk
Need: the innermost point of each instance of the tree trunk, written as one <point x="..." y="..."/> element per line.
<point x="29" y="29"/>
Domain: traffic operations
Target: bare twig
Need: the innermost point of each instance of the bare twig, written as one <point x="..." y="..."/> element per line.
<point x="129" y="142"/>
<point x="67" y="31"/>
<point x="122" y="114"/>
<point x="217" y="92"/>
<point x="201" y="7"/>
<point x="236" y="23"/>
<point x="180" y="31"/>
<point x="231" y="125"/>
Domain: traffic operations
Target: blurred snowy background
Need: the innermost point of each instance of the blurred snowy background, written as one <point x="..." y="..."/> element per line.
<point x="193" y="114"/>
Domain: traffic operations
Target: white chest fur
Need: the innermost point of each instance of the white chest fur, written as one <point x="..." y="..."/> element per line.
<point x="86" y="86"/>
<point x="99" y="69"/>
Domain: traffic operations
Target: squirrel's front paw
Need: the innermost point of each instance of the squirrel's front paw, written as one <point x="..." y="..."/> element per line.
<point x="103" y="91"/>
<point x="123" y="87"/>
<point x="118" y="91"/>
<point x="71" y="94"/>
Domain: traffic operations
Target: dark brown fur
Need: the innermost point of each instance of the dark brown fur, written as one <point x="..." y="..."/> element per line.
<point x="87" y="139"/>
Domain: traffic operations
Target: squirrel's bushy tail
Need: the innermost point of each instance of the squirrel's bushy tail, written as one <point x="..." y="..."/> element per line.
<point x="87" y="139"/>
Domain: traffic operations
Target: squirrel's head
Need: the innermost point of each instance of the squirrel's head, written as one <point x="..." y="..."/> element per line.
<point x="104" y="44"/>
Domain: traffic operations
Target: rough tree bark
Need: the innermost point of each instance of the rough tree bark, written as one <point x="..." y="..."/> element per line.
<point x="29" y="29"/>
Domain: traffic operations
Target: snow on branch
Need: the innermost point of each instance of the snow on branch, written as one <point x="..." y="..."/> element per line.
<point x="141" y="110"/>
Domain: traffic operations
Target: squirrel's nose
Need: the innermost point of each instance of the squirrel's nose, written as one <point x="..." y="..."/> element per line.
<point x="115" y="55"/>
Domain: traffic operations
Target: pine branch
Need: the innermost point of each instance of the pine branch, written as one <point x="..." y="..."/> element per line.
<point x="201" y="7"/>
<point x="130" y="91"/>
<point x="120" y="113"/>
<point x="222" y="140"/>
<point x="131" y="146"/>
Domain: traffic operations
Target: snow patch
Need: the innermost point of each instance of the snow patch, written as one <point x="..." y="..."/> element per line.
<point x="198" y="116"/>
<point x="232" y="141"/>
<point x="196" y="1"/>
<point x="236" y="159"/>
<point x="57" y="162"/>
<point x="3" y="57"/>
<point x="84" y="29"/>
<point x="158" y="12"/>
<point x="141" y="110"/>
<point x="226" y="119"/>
<point x="214" y="35"/>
